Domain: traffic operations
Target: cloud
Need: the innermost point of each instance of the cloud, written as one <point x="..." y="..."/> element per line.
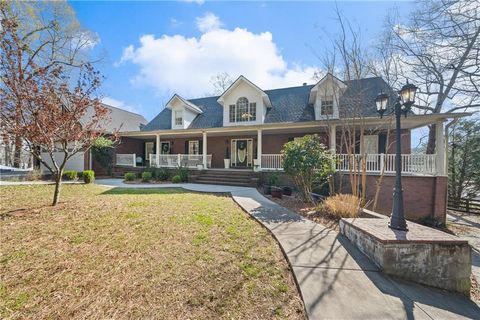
<point x="208" y="22"/>
<point x="119" y="104"/>
<point x="186" y="65"/>
<point x="174" y="23"/>
<point x="199" y="2"/>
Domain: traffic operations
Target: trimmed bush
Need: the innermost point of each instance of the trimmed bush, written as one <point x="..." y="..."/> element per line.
<point x="80" y="175"/>
<point x="88" y="176"/>
<point x="70" y="175"/>
<point x="341" y="206"/>
<point x="152" y="171"/>
<point x="176" y="179"/>
<point x="129" y="176"/>
<point x="183" y="173"/>
<point x="146" y="176"/>
<point x="163" y="174"/>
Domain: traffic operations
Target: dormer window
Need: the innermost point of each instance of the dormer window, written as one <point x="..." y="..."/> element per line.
<point x="327" y="106"/>
<point x="179" y="118"/>
<point x="243" y="111"/>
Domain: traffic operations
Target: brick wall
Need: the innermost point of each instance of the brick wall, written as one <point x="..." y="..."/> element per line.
<point x="423" y="195"/>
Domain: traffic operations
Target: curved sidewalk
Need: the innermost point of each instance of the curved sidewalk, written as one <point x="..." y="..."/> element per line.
<point x="335" y="279"/>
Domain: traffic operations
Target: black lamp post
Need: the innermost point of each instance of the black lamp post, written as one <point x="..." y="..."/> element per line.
<point x="402" y="106"/>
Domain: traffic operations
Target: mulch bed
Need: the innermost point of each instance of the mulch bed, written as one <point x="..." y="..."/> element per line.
<point x="305" y="209"/>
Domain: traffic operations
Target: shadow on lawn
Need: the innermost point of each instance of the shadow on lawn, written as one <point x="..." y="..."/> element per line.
<point x="145" y="191"/>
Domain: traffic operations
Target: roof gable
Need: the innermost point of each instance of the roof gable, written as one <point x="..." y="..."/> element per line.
<point x="235" y="84"/>
<point x="328" y="78"/>
<point x="187" y="104"/>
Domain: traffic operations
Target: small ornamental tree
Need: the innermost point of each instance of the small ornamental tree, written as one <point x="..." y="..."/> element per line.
<point x="52" y="109"/>
<point x="306" y="160"/>
<point x="102" y="152"/>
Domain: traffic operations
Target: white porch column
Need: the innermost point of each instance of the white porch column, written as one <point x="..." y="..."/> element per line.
<point x="440" y="148"/>
<point x="259" y="149"/>
<point x="333" y="139"/>
<point x="204" y="151"/>
<point x="157" y="151"/>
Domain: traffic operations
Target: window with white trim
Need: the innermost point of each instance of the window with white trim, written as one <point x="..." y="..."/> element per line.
<point x="243" y="111"/>
<point x="179" y="118"/>
<point x="327" y="106"/>
<point x="193" y="147"/>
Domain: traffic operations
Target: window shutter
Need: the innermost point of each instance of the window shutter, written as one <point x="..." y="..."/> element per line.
<point x="186" y="146"/>
<point x="382" y="143"/>
<point x="200" y="147"/>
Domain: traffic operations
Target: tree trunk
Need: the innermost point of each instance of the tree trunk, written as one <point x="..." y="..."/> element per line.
<point x="18" y="152"/>
<point x="58" y="183"/>
<point x="431" y="139"/>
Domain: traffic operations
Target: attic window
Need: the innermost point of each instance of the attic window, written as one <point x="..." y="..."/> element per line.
<point x="179" y="118"/>
<point x="327" y="106"/>
<point x="243" y="111"/>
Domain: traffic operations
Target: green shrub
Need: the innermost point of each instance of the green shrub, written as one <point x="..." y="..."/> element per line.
<point x="152" y="171"/>
<point x="146" y="176"/>
<point x="88" y="176"/>
<point x="70" y="175"/>
<point x="183" y="173"/>
<point x="176" y="179"/>
<point x="129" y="176"/>
<point x="273" y="179"/>
<point x="163" y="174"/>
<point x="80" y="175"/>
<point x="306" y="160"/>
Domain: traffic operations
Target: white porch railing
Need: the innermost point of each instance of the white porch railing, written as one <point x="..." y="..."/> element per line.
<point x="272" y="162"/>
<point x="126" y="159"/>
<point x="177" y="160"/>
<point x="411" y="163"/>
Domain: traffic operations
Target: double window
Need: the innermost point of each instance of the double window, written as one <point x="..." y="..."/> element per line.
<point x="327" y="106"/>
<point x="243" y="111"/>
<point x="179" y="118"/>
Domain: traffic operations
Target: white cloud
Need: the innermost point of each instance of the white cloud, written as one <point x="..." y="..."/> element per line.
<point x="186" y="65"/>
<point x="199" y="2"/>
<point x="175" y="23"/>
<point x="119" y="104"/>
<point x="208" y="22"/>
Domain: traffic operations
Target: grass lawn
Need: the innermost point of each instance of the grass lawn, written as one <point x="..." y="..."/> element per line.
<point x="137" y="253"/>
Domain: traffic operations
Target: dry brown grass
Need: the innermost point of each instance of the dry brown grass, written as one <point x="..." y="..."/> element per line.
<point x="150" y="253"/>
<point x="341" y="206"/>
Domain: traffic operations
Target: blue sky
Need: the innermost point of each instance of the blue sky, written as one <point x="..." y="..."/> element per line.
<point x="151" y="50"/>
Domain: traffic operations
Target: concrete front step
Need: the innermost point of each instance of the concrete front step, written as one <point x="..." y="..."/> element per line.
<point x="226" y="177"/>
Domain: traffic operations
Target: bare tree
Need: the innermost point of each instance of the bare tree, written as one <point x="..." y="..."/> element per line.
<point x="45" y="106"/>
<point x="221" y="82"/>
<point x="439" y="49"/>
<point x="51" y="36"/>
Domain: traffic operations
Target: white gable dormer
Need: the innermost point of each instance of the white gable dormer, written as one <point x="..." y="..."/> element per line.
<point x="183" y="112"/>
<point x="325" y="97"/>
<point x="244" y="103"/>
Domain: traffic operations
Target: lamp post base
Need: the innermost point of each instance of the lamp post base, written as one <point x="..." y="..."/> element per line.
<point x="399" y="228"/>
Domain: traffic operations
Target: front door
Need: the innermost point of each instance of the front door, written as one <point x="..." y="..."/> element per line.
<point x="242" y="153"/>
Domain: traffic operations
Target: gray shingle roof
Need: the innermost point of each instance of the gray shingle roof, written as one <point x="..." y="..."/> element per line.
<point x="288" y="105"/>
<point x="119" y="119"/>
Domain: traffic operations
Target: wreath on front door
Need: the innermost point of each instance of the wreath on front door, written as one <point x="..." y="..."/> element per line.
<point x="242" y="151"/>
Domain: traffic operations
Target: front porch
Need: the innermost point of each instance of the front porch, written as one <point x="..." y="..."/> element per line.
<point x="412" y="164"/>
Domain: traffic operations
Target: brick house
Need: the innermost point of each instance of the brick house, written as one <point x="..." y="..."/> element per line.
<point x="245" y="128"/>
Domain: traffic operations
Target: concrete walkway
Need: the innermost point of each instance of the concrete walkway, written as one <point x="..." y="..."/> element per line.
<point x="336" y="280"/>
<point x="467" y="226"/>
